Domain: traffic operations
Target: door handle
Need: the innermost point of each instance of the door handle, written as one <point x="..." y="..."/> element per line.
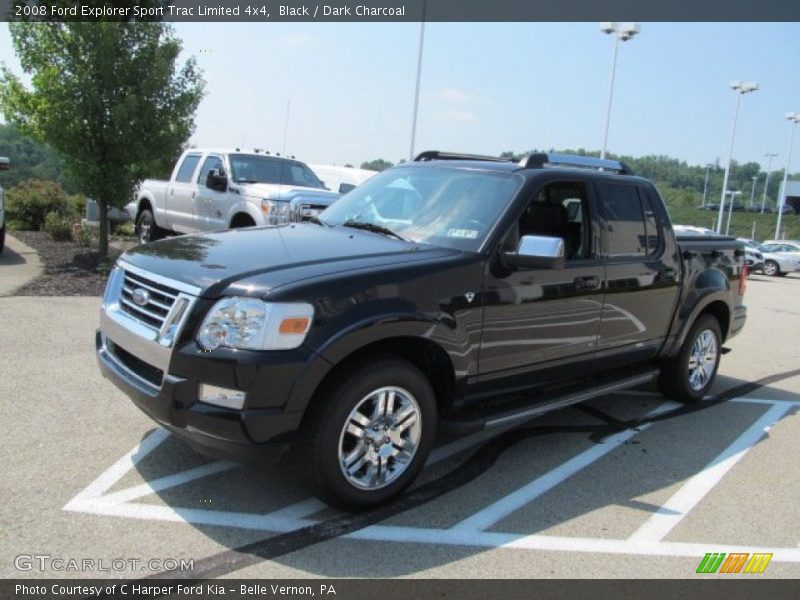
<point x="668" y="273"/>
<point x="587" y="283"/>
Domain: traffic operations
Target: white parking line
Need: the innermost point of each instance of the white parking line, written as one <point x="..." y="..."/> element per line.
<point x="95" y="490"/>
<point x="163" y="483"/>
<point x="490" y="539"/>
<point x="493" y="513"/>
<point x="648" y="540"/>
<point x="685" y="499"/>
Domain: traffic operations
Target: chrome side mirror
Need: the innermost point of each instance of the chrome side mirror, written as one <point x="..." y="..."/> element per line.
<point x="537" y="251"/>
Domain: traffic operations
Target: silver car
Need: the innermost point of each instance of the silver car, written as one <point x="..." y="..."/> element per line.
<point x="780" y="259"/>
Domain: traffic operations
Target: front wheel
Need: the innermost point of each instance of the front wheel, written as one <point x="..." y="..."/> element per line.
<point x="146" y="229"/>
<point x="688" y="376"/>
<point x="366" y="439"/>
<point x="771" y="268"/>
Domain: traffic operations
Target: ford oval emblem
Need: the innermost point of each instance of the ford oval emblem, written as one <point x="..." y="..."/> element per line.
<point x="141" y="297"/>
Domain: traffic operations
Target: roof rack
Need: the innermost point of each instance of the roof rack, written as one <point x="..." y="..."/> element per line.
<point x="540" y="160"/>
<point x="437" y="155"/>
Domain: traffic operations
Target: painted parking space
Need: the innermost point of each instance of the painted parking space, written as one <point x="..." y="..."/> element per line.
<point x="641" y="519"/>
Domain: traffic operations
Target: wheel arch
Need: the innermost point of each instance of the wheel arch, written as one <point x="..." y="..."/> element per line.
<point x="426" y="355"/>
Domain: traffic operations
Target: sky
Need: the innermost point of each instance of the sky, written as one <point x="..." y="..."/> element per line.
<point x="491" y="87"/>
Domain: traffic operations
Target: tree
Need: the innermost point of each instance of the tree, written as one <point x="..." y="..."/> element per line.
<point x="378" y="164"/>
<point x="108" y="96"/>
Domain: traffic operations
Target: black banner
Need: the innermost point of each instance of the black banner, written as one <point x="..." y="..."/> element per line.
<point x="400" y="10"/>
<point x="711" y="588"/>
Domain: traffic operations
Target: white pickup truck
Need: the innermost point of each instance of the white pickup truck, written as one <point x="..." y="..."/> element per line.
<point x="221" y="189"/>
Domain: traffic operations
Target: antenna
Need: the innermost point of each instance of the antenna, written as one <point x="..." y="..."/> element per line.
<point x="286" y="125"/>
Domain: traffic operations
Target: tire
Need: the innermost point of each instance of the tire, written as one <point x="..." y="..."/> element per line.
<point x="353" y="455"/>
<point x="771" y="268"/>
<point x="146" y="229"/>
<point x="2" y="237"/>
<point x="688" y="376"/>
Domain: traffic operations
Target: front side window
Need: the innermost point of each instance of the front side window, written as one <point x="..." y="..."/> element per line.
<point x="560" y="210"/>
<point x="209" y="164"/>
<point x="450" y="207"/>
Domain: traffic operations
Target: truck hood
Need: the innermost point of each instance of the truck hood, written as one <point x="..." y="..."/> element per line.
<point x="275" y="255"/>
<point x="286" y="193"/>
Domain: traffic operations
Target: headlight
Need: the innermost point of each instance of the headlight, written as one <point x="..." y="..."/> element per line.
<point x="276" y="211"/>
<point x="251" y="324"/>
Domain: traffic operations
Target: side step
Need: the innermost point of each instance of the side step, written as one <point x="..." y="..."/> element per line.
<point x="461" y="426"/>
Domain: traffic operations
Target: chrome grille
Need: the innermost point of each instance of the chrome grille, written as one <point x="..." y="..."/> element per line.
<point x="159" y="300"/>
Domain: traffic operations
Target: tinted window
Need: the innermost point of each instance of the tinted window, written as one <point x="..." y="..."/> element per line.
<point x="210" y="163"/>
<point x="626" y="234"/>
<point x="187" y="168"/>
<point x="650" y="222"/>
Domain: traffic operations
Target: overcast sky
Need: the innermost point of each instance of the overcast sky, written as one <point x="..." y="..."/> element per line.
<point x="490" y="87"/>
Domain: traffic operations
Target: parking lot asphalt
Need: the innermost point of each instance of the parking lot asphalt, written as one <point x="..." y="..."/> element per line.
<point x="632" y="486"/>
<point x="19" y="264"/>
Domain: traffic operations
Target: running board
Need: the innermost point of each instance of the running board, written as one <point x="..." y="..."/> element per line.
<point x="504" y="419"/>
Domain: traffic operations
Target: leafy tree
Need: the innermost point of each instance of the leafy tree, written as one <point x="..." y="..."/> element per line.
<point x="30" y="159"/>
<point x="109" y="96"/>
<point x="378" y="164"/>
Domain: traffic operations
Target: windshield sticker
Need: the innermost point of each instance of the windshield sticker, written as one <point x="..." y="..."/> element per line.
<point x="469" y="234"/>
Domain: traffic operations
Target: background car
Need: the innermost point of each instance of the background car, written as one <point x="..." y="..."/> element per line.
<point x="780" y="259"/>
<point x="786" y="245"/>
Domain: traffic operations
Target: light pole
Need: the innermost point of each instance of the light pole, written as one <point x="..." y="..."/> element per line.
<point x="766" y="183"/>
<point x="740" y="88"/>
<point x="416" y="89"/>
<point x="794" y="118"/>
<point x="753" y="191"/>
<point x="705" y="185"/>
<point x="730" y="209"/>
<point x="623" y="34"/>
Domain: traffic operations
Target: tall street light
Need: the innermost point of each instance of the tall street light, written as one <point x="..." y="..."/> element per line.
<point x="740" y="88"/>
<point x="705" y="185"/>
<point x="623" y="34"/>
<point x="794" y="118"/>
<point x="753" y="190"/>
<point x="733" y="195"/>
<point x="766" y="183"/>
<point x="419" y="77"/>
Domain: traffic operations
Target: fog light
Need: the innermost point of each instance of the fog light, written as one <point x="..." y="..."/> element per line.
<point x="219" y="396"/>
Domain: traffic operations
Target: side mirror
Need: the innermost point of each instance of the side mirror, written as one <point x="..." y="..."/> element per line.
<point x="537" y="251"/>
<point x="216" y="180"/>
<point x="5" y="164"/>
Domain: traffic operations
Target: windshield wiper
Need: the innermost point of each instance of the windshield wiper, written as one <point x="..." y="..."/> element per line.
<point x="316" y="221"/>
<point x="372" y="227"/>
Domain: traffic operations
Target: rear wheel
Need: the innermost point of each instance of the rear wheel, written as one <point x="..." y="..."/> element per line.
<point x="2" y="237"/>
<point x="366" y="439"/>
<point x="146" y="229"/>
<point x="688" y="376"/>
<point x="771" y="268"/>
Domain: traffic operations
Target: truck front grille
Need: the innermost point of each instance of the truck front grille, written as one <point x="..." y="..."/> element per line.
<point x="146" y="300"/>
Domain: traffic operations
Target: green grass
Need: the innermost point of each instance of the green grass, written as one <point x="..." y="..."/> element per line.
<point x="741" y="223"/>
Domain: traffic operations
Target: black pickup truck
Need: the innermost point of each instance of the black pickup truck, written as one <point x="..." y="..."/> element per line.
<point x="455" y="292"/>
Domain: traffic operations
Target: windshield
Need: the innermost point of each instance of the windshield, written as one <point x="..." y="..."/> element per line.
<point x="454" y="208"/>
<point x="249" y="168"/>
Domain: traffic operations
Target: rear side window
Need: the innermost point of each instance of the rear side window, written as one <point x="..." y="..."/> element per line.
<point x="632" y="226"/>
<point x="187" y="168"/>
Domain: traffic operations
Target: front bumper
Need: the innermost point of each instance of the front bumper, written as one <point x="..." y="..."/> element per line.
<point x="246" y="435"/>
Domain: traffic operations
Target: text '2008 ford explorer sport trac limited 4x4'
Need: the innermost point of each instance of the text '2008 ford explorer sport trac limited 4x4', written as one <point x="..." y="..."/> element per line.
<point x="455" y="292"/>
